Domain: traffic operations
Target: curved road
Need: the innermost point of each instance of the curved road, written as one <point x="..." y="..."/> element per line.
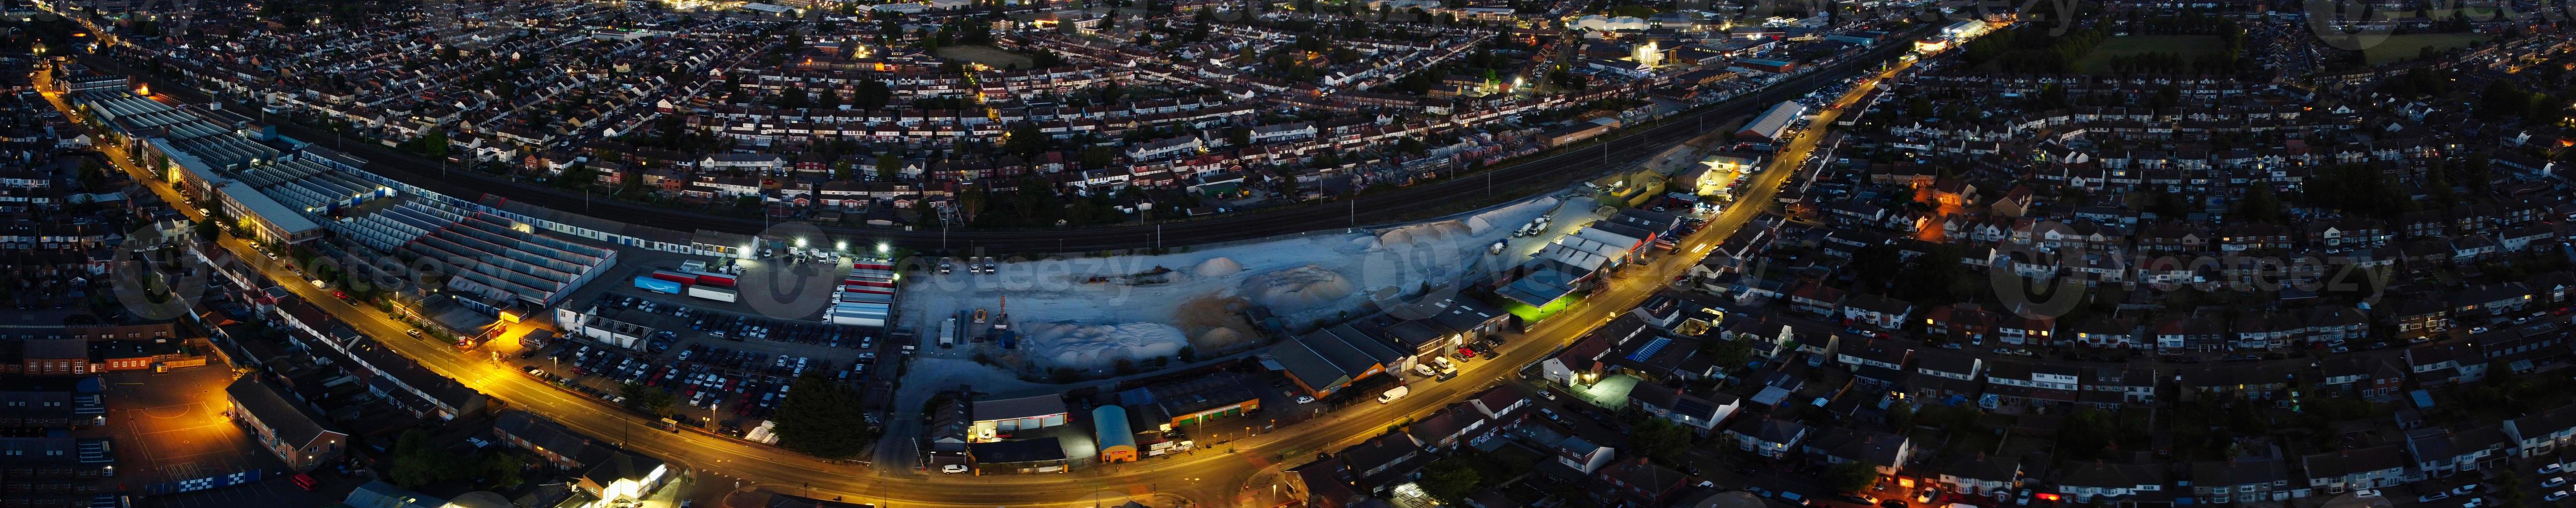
<point x="1212" y="476"/>
<point x="1539" y="175"/>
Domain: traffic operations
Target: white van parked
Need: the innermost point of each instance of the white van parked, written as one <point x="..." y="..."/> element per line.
<point x="1394" y="393"/>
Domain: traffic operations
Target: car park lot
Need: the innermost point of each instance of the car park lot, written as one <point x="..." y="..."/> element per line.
<point x="171" y="426"/>
<point x="725" y="371"/>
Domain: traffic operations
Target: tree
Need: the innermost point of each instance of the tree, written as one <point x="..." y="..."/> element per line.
<point x="888" y="166"/>
<point x="2259" y="205"/>
<point x="207" y="230"/>
<point x="502" y="469"/>
<point x="1025" y="140"/>
<point x="1729" y="355"/>
<point x="872" y="94"/>
<point x="1851" y="476"/>
<point x="1450" y="479"/>
<point x="417" y="462"/>
<point x="434" y="144"/>
<point x="1661" y="440"/>
<point x="1876" y="265"/>
<point x="92" y="176"/>
<point x="823" y="419"/>
<point x="644" y="398"/>
<point x="1098" y="157"/>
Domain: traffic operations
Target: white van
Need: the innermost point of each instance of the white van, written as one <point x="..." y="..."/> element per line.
<point x="1394" y="393"/>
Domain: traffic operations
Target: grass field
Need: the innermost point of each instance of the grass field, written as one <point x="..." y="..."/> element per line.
<point x="987" y="55"/>
<point x="2403" y="47"/>
<point x="2188" y="46"/>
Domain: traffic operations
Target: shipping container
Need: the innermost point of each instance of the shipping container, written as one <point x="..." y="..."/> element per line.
<point x="868" y="283"/>
<point x="873" y="264"/>
<point x="712" y="293"/>
<point x="658" y="285"/>
<point x="864" y="297"/>
<point x="713" y="279"/>
<point x="678" y="277"/>
<point x="863" y="307"/>
<point x="858" y="321"/>
<point x="869" y="290"/>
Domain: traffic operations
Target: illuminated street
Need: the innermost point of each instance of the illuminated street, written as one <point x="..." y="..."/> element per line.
<point x="1212" y="476"/>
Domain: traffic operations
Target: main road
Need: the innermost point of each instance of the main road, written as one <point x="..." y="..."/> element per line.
<point x="1213" y="475"/>
<point x="1543" y="174"/>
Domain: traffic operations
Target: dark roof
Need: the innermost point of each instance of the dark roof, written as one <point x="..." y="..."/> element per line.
<point x="1019" y="450"/>
<point x="1379" y="452"/>
<point x="1300" y="359"/>
<point x="54" y="349"/>
<point x="292" y="422"/>
<point x="550" y="436"/>
<point x="2345" y="462"/>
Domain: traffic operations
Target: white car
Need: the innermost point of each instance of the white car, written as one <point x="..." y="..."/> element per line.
<point x="1302" y="399"/>
<point x="2464" y="489"/>
<point x="2437" y="496"/>
<point x="2554" y="496"/>
<point x="2553" y="482"/>
<point x="953" y="468"/>
<point x="2552" y="468"/>
<point x="1423" y="370"/>
<point x="2365" y="493"/>
<point x="1442" y="361"/>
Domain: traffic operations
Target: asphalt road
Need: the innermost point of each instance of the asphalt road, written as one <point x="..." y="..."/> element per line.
<point x="1211" y="476"/>
<point x="1545" y="174"/>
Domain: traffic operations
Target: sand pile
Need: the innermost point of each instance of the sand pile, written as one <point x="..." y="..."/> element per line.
<point x="1219" y="339"/>
<point x="1425" y="234"/>
<point x="1218" y="267"/>
<point x="1083" y="346"/>
<point x="1477" y="225"/>
<point x="1297" y="288"/>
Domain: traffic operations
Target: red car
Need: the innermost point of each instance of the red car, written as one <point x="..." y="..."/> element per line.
<point x="1463" y="352"/>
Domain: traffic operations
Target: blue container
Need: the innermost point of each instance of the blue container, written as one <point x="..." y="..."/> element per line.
<point x="649" y="283"/>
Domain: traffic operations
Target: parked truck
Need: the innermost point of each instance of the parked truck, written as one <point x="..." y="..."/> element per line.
<point x="948" y="333"/>
<point x="712" y="293"/>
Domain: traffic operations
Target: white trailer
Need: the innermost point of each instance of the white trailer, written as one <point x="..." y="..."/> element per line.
<point x="713" y="293"/>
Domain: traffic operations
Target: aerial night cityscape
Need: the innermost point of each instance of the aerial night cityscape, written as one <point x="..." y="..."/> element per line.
<point x="1287" y="253"/>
